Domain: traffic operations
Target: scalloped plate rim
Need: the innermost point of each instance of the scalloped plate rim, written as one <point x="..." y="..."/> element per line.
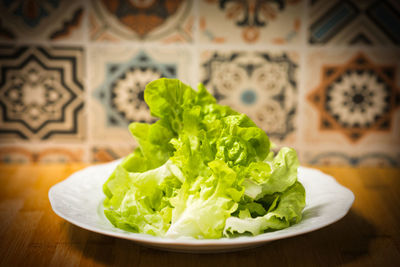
<point x="194" y="245"/>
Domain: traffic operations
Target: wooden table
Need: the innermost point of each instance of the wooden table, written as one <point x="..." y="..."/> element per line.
<point x="31" y="234"/>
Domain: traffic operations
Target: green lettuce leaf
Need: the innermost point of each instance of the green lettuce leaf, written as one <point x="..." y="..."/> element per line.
<point x="139" y="201"/>
<point x="287" y="211"/>
<point x="202" y="207"/>
<point x="268" y="177"/>
<point x="202" y="170"/>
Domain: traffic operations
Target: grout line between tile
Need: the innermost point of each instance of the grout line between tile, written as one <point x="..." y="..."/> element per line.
<point x="88" y="99"/>
<point x="194" y="48"/>
<point x="302" y="81"/>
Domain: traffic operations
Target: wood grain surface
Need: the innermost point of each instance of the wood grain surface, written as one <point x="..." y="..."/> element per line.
<point x="31" y="234"/>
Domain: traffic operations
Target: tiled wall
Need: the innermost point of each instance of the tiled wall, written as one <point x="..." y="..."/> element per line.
<point x="320" y="76"/>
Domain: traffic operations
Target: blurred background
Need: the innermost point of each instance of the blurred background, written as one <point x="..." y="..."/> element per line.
<point x="320" y="76"/>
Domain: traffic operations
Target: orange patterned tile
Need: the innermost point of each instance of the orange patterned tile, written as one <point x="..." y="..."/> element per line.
<point x="357" y="97"/>
<point x="351" y="107"/>
<point x="165" y="21"/>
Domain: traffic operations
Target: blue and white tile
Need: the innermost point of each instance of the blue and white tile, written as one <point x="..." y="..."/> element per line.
<point x="118" y="80"/>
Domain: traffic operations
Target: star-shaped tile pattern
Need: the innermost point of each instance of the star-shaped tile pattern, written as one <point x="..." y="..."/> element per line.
<point x="41" y="92"/>
<point x="356" y="98"/>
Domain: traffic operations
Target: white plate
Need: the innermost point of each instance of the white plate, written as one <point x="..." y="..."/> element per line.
<point x="78" y="199"/>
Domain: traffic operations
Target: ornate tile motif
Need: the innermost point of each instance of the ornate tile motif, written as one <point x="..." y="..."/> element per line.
<point x="119" y="79"/>
<point x="351" y="112"/>
<point x="356" y="97"/>
<point x="16" y="154"/>
<point x="250" y="21"/>
<point x="122" y="92"/>
<point x="260" y="84"/>
<point x="41" y="20"/>
<point x="166" y="21"/>
<point x="354" y="22"/>
<point x="41" y="93"/>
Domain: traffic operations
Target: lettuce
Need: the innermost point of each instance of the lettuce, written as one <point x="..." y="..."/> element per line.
<point x="202" y="170"/>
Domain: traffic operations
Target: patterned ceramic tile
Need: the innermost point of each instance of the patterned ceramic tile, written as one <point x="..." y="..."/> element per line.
<point x="119" y="77"/>
<point x="354" y="22"/>
<point x="41" y="20"/>
<point x="166" y="21"/>
<point x="237" y="21"/>
<point x="356" y="97"/>
<point x="104" y="153"/>
<point x="262" y="85"/>
<point x="349" y="158"/>
<point x="41" y="93"/>
<point x="17" y="154"/>
<point x="352" y="105"/>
